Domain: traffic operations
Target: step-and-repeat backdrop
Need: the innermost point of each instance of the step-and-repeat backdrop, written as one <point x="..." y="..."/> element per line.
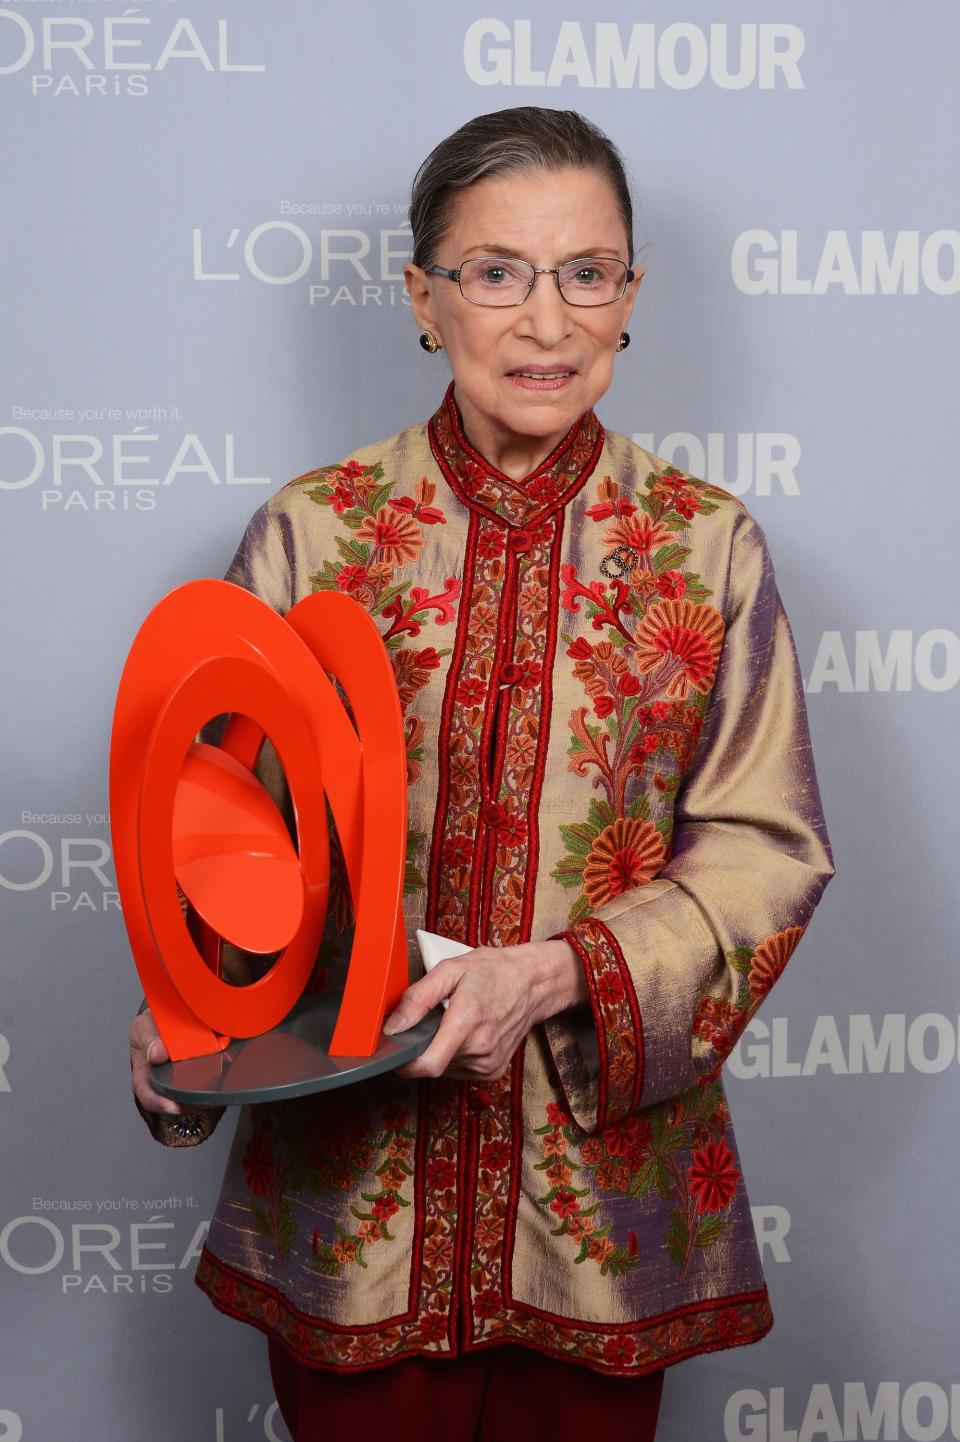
<point x="202" y="227"/>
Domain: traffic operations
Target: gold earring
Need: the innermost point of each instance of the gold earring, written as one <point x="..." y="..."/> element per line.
<point x="624" y="340"/>
<point x="430" y="343"/>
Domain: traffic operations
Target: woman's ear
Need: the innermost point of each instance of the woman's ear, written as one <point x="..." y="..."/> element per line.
<point x="632" y="290"/>
<point x="420" y="291"/>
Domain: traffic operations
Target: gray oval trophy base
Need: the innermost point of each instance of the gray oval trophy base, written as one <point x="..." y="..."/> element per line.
<point x="291" y="1061"/>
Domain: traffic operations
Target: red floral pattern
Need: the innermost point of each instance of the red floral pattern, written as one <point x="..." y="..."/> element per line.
<point x="618" y="1349"/>
<point x="617" y="1020"/>
<point x="633" y="1158"/>
<point x="718" y="1022"/>
<point x="503" y="653"/>
<point x="387" y="534"/>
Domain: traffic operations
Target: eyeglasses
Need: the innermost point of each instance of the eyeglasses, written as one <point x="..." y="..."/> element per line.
<point x="496" y="280"/>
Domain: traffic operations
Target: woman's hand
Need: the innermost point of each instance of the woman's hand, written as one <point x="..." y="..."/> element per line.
<point x="146" y="1048"/>
<point x="496" y="995"/>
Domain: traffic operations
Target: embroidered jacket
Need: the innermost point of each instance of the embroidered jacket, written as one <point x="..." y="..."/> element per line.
<point x="606" y="741"/>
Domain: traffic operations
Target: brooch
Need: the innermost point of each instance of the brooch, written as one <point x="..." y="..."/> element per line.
<point x="619" y="563"/>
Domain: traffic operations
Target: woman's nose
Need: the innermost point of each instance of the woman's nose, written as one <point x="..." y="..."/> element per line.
<point x="545" y="316"/>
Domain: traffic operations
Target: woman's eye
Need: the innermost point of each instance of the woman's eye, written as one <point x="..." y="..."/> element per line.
<point x="497" y="275"/>
<point x="588" y="275"/>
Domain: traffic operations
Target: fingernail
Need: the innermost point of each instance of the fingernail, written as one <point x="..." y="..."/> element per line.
<point x="393" y="1024"/>
<point x="150" y="1047"/>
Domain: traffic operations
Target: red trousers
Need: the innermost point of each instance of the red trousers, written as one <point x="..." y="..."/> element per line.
<point x="495" y="1396"/>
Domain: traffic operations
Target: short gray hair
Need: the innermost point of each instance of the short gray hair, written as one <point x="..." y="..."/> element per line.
<point x="525" y="140"/>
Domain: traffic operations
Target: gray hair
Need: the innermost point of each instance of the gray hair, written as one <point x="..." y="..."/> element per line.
<point x="525" y="140"/>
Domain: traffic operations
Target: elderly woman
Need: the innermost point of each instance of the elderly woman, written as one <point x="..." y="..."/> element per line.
<point x="612" y="800"/>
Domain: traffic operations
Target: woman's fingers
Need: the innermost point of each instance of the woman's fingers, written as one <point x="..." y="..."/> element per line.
<point x="423" y="996"/>
<point x="147" y="1049"/>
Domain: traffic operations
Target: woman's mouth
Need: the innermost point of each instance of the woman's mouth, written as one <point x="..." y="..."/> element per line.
<point x="541" y="378"/>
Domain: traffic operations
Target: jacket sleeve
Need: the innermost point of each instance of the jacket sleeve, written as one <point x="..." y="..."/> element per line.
<point x="675" y="969"/>
<point x="260" y="565"/>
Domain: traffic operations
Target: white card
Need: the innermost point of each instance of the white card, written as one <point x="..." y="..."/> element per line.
<point x="434" y="949"/>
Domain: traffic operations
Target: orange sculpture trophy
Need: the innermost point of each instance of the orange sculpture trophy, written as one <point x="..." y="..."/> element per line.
<point x="204" y="856"/>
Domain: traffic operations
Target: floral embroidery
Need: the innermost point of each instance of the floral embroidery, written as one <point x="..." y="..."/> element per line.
<point x="545" y="490"/>
<point x="492" y="1205"/>
<point x="625" y="854"/>
<point x="387" y="535"/>
<point x="619" y="1027"/>
<point x="719" y="1023"/>
<point x="648" y="681"/>
<point x="267" y="1180"/>
<point x="621" y="1350"/>
<point x="283" y="1160"/>
<point x="642" y="1154"/>
<point x="396" y="1141"/>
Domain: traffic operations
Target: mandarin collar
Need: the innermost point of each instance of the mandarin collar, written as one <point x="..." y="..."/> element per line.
<point x="483" y="488"/>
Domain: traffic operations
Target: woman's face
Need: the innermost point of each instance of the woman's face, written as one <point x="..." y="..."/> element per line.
<point x="525" y="373"/>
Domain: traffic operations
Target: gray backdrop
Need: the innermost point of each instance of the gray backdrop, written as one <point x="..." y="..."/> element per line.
<point x="201" y="235"/>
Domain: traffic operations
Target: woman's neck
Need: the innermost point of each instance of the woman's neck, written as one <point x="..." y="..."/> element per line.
<point x="513" y="454"/>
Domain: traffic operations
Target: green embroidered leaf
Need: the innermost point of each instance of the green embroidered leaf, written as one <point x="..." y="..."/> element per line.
<point x="662" y="1179"/>
<point x="665" y="827"/>
<point x="353" y="551"/>
<point x="579" y="837"/>
<point x="678" y="1237"/>
<point x="260" y="1219"/>
<point x="378" y="497"/>
<point x="710" y="1231"/>
<point x="619" y="1262"/>
<point x="741" y="959"/>
<point x="579" y="911"/>
<point x="320" y="495"/>
<point x="641" y="1184"/>
<point x="582" y="1254"/>
<point x="696" y="590"/>
<point x="569" y="871"/>
<point x="390" y="594"/>
<point x="673" y="1141"/>
<point x="601" y="814"/>
<point x="325" y="580"/>
<point x="669" y="557"/>
<point x="639" y="807"/>
<point x="413" y="878"/>
<point x="286" y="1227"/>
<point x="326" y="1263"/>
<point x="675" y="521"/>
<point x="675" y="1251"/>
<point x="354" y="517"/>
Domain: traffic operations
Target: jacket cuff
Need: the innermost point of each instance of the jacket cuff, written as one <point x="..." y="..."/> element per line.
<point x="600" y="1066"/>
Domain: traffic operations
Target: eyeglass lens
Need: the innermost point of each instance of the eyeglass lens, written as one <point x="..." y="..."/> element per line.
<point x="496" y="280"/>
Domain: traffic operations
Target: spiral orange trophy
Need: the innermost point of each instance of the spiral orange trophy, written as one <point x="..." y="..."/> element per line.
<point x="204" y="856"/>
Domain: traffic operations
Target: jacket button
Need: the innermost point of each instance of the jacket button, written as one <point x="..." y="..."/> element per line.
<point x="492" y="813"/>
<point x="479" y="1097"/>
<point x="510" y="673"/>
<point x="520" y="541"/>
